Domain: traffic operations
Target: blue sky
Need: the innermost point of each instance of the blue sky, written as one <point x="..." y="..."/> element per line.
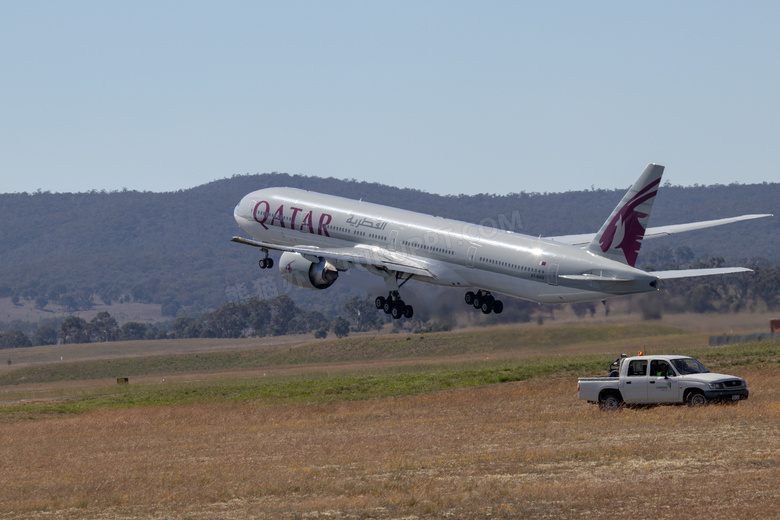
<point x="446" y="97"/>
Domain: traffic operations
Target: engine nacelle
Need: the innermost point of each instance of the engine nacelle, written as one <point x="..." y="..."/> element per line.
<point x="302" y="272"/>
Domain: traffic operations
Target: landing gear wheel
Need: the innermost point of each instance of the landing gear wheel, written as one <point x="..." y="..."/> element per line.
<point x="266" y="263"/>
<point x="484" y="301"/>
<point x="397" y="311"/>
<point x="394" y="306"/>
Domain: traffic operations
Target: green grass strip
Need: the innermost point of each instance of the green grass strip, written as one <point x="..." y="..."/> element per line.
<point x="364" y="348"/>
<point x="320" y="387"/>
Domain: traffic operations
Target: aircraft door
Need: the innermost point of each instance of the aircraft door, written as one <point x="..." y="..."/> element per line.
<point x="552" y="274"/>
<point x="470" y="256"/>
<point x="391" y="245"/>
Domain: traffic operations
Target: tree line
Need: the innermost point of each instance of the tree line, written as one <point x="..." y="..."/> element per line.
<point x="254" y="317"/>
<point x="280" y="315"/>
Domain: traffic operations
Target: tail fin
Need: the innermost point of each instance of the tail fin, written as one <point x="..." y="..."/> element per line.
<point x="621" y="235"/>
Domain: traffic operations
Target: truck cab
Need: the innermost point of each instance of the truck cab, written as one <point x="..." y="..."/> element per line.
<point x="650" y="380"/>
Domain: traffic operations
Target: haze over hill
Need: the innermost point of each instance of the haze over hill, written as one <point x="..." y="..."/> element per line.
<point x="174" y="248"/>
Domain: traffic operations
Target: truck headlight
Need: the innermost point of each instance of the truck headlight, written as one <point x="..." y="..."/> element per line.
<point x="716" y="386"/>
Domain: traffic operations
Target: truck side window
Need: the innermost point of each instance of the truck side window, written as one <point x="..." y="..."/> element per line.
<point x="660" y="368"/>
<point x="637" y="367"/>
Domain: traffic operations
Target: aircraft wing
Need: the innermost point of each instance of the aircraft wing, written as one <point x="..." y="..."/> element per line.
<point x="360" y="254"/>
<point x="661" y="231"/>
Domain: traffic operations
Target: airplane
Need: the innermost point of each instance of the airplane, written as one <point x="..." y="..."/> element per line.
<point x="322" y="235"/>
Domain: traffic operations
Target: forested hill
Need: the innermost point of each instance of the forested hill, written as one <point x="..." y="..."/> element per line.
<point x="174" y="248"/>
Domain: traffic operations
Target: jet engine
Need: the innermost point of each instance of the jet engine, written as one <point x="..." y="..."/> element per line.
<point x="302" y="272"/>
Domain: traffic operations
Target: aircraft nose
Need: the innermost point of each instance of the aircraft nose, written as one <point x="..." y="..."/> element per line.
<point x="241" y="213"/>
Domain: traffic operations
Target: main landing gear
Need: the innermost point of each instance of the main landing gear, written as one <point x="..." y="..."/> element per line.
<point x="394" y="305"/>
<point x="485" y="301"/>
<point x="266" y="262"/>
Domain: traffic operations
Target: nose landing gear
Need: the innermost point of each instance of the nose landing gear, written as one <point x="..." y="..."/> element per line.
<point x="485" y="302"/>
<point x="266" y="262"/>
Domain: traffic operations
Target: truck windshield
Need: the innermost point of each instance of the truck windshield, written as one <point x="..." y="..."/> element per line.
<point x="689" y="366"/>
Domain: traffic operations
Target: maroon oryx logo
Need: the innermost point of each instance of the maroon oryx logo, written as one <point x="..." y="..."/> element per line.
<point x="630" y="221"/>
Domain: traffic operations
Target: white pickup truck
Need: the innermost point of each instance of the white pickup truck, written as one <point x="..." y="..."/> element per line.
<point x="660" y="379"/>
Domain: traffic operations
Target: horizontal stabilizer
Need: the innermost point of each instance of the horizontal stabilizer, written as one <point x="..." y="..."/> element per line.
<point x="661" y="231"/>
<point x="690" y="273"/>
<point x="679" y="228"/>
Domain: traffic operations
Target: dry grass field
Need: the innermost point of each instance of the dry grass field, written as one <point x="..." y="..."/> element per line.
<point x="521" y="449"/>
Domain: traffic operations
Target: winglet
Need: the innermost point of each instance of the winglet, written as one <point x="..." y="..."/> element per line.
<point x="621" y="235"/>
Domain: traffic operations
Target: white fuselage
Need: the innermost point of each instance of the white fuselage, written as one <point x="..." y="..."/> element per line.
<point x="460" y="254"/>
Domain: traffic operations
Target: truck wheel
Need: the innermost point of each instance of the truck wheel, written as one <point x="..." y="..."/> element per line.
<point x="610" y="403"/>
<point x="696" y="399"/>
